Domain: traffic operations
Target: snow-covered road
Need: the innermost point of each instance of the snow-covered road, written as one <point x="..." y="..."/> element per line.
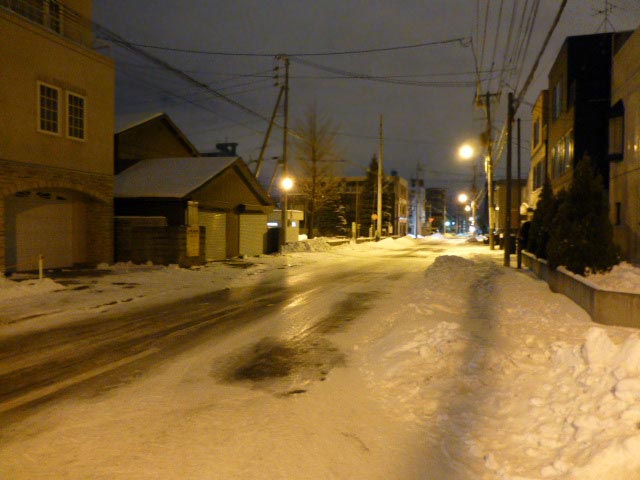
<point x="399" y="360"/>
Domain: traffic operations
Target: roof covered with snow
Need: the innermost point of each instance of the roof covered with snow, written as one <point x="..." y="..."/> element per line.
<point x="169" y="177"/>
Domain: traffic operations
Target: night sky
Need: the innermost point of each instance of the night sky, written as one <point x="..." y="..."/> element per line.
<point x="419" y="53"/>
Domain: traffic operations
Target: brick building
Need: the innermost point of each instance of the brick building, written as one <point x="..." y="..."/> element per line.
<point x="56" y="150"/>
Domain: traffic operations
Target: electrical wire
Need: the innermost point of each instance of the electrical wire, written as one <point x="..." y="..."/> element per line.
<point x="462" y="40"/>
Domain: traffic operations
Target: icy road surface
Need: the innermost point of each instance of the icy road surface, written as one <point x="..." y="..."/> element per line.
<point x="399" y="360"/>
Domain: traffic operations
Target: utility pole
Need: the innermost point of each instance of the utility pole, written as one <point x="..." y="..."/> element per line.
<point x="507" y="221"/>
<point x="285" y="170"/>
<point x="265" y="142"/>
<point x="379" y="224"/>
<point x="519" y="198"/>
<point x="444" y="211"/>
<point x="491" y="209"/>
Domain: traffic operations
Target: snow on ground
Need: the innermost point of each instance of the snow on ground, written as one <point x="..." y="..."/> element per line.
<point x="474" y="371"/>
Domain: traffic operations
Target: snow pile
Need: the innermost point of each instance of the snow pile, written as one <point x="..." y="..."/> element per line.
<point x="10" y="289"/>
<point x="624" y="277"/>
<point x="503" y="394"/>
<point x="317" y="244"/>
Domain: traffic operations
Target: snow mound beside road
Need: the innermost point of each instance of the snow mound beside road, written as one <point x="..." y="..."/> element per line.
<point x="10" y="289"/>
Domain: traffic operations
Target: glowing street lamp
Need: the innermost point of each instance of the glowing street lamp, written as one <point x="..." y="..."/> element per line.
<point x="466" y="151"/>
<point x="286" y="184"/>
<point x="469" y="207"/>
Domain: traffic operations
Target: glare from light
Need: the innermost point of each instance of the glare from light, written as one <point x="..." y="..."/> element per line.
<point x="466" y="151"/>
<point x="462" y="198"/>
<point x="467" y="208"/>
<point x="286" y="184"/>
<point x="472" y="229"/>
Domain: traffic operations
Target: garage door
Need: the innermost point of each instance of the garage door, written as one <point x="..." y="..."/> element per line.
<point x="215" y="235"/>
<point x="253" y="232"/>
<point x="52" y="224"/>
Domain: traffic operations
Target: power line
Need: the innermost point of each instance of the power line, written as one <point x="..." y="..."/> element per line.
<point x="462" y="40"/>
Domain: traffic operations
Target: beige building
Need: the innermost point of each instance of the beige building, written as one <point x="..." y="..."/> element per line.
<point x="539" y="115"/>
<point x="624" y="149"/>
<point x="56" y="150"/>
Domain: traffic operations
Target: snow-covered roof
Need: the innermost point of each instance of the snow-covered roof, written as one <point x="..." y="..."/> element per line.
<point x="127" y="121"/>
<point x="169" y="177"/>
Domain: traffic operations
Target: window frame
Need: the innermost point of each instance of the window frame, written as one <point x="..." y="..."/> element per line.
<point x="69" y="124"/>
<point x="39" y="107"/>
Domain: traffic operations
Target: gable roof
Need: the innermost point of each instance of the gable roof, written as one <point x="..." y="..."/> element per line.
<point x="130" y="122"/>
<point x="179" y="177"/>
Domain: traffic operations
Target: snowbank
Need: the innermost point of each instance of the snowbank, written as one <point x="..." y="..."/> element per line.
<point x="10" y="289"/>
<point x="623" y="277"/>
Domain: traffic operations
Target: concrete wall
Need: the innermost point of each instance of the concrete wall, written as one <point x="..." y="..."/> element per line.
<point x="607" y="308"/>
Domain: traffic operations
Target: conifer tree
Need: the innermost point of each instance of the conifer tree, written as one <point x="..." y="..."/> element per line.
<point x="541" y="222"/>
<point x="582" y="235"/>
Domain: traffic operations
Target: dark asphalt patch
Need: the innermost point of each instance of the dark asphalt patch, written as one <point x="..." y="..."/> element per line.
<point x="283" y="365"/>
<point x="286" y="366"/>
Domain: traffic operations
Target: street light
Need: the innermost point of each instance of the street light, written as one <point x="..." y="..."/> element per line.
<point x="467" y="152"/>
<point x="469" y="207"/>
<point x="286" y="184"/>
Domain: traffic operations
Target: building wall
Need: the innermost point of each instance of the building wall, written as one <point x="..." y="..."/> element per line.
<point x="624" y="191"/>
<point x="31" y="159"/>
<point x="583" y="71"/>
<point x="46" y="57"/>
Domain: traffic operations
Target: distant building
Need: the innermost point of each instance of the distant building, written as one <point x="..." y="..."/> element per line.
<point x="397" y="196"/>
<point x="624" y="149"/>
<point x="435" y="209"/>
<point x="56" y="147"/>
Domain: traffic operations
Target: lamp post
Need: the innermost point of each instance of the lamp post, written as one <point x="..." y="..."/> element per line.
<point x="467" y="152"/>
<point x="469" y="207"/>
<point x="286" y="184"/>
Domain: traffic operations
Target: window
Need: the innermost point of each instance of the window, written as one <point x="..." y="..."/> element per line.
<point x="568" y="151"/>
<point x="49" y="99"/>
<point x="538" y="175"/>
<point x="54" y="16"/>
<point x="616" y="132"/>
<point x="536" y="132"/>
<point x="557" y="100"/>
<point x="75" y="116"/>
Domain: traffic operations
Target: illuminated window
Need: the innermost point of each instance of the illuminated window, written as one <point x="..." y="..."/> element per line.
<point x="75" y="116"/>
<point x="48" y="108"/>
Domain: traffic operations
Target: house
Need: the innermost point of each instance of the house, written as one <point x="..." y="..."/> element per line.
<point x="624" y="149"/>
<point x="579" y="102"/>
<point x="140" y="137"/>
<point x="537" y="173"/>
<point x="56" y="147"/>
<point x="217" y="193"/>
